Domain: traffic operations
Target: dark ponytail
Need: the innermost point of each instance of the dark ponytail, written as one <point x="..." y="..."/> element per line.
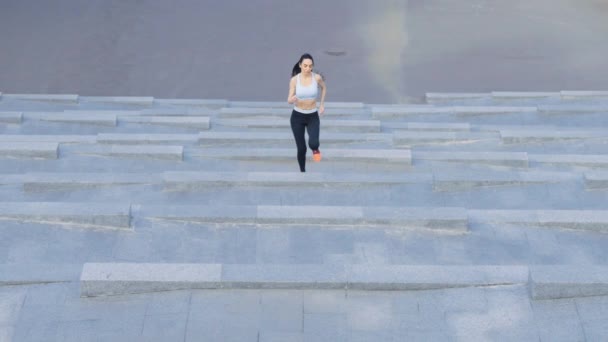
<point x="296" y="68"/>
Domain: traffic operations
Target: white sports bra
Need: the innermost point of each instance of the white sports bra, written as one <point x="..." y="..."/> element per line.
<point x="306" y="93"/>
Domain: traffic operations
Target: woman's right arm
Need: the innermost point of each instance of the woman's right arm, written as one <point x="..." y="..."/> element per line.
<point x="291" y="97"/>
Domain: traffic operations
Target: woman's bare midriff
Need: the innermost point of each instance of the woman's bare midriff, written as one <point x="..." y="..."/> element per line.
<point x="306" y="104"/>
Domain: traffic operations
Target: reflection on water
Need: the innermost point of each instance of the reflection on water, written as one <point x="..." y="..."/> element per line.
<point x="383" y="31"/>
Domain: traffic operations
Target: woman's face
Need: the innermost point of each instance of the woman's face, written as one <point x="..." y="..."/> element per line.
<point x="306" y="66"/>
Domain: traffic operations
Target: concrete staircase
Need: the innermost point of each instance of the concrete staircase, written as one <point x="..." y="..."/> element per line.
<point x="467" y="190"/>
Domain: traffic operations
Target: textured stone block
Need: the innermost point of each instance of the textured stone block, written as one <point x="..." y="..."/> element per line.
<point x="11" y="117"/>
<point x="431" y="277"/>
<point x="128" y="100"/>
<point x="43" y="97"/>
<point x="275" y="276"/>
<point x="270" y="104"/>
<point x="396" y="156"/>
<point x="329" y="215"/>
<point x="71" y="181"/>
<point x="513" y="159"/>
<point x="573" y="108"/>
<point x="587" y="160"/>
<point x="146" y="139"/>
<point x="210" y="103"/>
<point x="555" y="282"/>
<point x="504" y="216"/>
<point x="48" y="138"/>
<point x="84" y="215"/>
<point x="523" y="95"/>
<point x="449" y="97"/>
<point x="438" y="126"/>
<point x="98" y="279"/>
<point x="583" y="95"/>
<point x="410" y="138"/>
<point x="279" y="138"/>
<point x="38" y="273"/>
<point x="100" y="112"/>
<point x="328" y="124"/>
<point x="133" y="152"/>
<point x="277" y="112"/>
<point x="450" y="219"/>
<point x="596" y="220"/>
<point x="189" y="180"/>
<point x="29" y="150"/>
<point x="185" y="121"/>
<point x="105" y="119"/>
<point x="596" y="180"/>
<point x="456" y="181"/>
<point x="391" y="112"/>
<point x="532" y="136"/>
<point x="492" y="110"/>
<point x="197" y="213"/>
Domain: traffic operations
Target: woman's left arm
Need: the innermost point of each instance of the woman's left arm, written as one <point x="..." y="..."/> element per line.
<point x="323" y="87"/>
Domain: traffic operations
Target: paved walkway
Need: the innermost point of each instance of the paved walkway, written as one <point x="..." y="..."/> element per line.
<point x="515" y="202"/>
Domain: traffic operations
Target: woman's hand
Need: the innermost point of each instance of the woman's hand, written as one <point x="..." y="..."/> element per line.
<point x="321" y="110"/>
<point x="293" y="99"/>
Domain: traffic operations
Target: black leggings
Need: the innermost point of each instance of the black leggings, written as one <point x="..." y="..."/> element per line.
<point x="299" y="123"/>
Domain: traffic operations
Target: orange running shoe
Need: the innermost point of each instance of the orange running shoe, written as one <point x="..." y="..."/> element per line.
<point x="316" y="155"/>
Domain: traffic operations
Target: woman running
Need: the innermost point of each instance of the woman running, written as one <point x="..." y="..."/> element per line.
<point x="303" y="92"/>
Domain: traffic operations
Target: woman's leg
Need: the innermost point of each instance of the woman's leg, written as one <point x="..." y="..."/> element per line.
<point x="313" y="128"/>
<point x="298" y="126"/>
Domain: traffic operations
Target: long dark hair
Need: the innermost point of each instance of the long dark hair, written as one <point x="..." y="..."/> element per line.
<point x="296" y="68"/>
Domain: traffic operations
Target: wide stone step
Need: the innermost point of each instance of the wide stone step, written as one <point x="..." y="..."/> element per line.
<point x="573" y="108"/>
<point x="146" y="112"/>
<point x="99" y="119"/>
<point x="35" y="182"/>
<point x="428" y="126"/>
<point x="275" y="104"/>
<point x="405" y="111"/>
<point x="27" y="273"/>
<point x="442" y="98"/>
<point x="594" y="220"/>
<point x="35" y="150"/>
<point x="583" y="160"/>
<point x="187" y="121"/>
<point x="106" y="279"/>
<point x="584" y="94"/>
<point x="48" y="138"/>
<point x="568" y="281"/>
<point x="436" y="219"/>
<point x="70" y="98"/>
<point x="536" y="135"/>
<point x="407" y="138"/>
<point x="392" y="156"/>
<point x="273" y="112"/>
<point x="127" y="151"/>
<point x="11" y="117"/>
<point x="596" y="180"/>
<point x="81" y="215"/>
<point x="123" y="100"/>
<point x="507" y="96"/>
<point x="283" y="138"/>
<point x="511" y="159"/>
<point x="146" y="138"/>
<point x="497" y="127"/>
<point x="204" y="103"/>
<point x="466" y="180"/>
<point x="196" y="181"/>
<point x="326" y="124"/>
<point x="504" y="96"/>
